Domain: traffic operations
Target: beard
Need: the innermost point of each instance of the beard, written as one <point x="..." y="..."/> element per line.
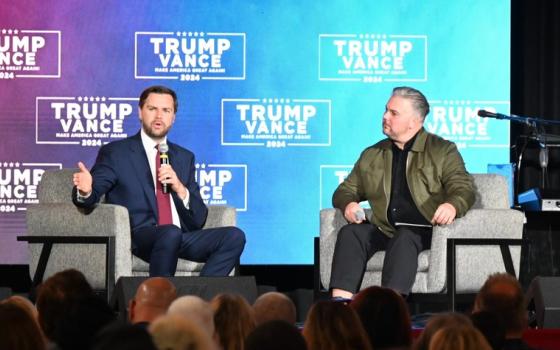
<point x="150" y="131"/>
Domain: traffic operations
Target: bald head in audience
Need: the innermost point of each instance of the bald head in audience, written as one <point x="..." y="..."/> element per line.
<point x="152" y="299"/>
<point x="195" y="309"/>
<point x="274" y="306"/>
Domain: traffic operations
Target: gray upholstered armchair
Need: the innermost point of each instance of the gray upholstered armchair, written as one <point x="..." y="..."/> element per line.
<point x="490" y="217"/>
<point x="56" y="216"/>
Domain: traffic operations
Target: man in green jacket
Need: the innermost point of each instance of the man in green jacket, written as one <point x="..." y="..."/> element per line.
<point x="412" y="180"/>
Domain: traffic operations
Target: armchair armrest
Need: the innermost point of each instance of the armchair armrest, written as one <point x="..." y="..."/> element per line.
<point x="477" y="223"/>
<point x="331" y="222"/>
<point x="65" y="219"/>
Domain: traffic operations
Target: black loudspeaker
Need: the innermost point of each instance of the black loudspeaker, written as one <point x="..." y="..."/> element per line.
<point x="204" y="287"/>
<point x="544" y="298"/>
<point x="15" y="277"/>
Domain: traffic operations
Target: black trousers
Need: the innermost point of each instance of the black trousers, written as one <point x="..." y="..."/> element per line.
<point x="357" y="243"/>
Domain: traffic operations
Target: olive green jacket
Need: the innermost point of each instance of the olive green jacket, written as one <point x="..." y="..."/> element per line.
<point x="435" y="173"/>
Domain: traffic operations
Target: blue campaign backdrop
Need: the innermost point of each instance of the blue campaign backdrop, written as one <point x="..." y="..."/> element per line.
<point x="276" y="99"/>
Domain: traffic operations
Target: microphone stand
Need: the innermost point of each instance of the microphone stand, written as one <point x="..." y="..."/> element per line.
<point x="536" y="126"/>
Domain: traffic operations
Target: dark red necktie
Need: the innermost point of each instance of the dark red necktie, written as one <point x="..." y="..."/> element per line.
<point x="163" y="199"/>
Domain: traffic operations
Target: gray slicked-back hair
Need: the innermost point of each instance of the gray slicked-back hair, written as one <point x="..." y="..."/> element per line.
<point x="419" y="101"/>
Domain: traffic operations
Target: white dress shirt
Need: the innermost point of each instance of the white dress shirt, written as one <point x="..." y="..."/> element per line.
<point x="151" y="151"/>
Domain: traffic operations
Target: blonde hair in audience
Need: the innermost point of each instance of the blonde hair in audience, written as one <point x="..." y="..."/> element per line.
<point x="25" y="304"/>
<point x="19" y="329"/>
<point x="458" y="338"/>
<point x="173" y="332"/>
<point x="436" y="322"/>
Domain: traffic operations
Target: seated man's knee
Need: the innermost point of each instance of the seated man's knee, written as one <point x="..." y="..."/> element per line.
<point x="404" y="234"/>
<point x="406" y="237"/>
<point x="171" y="234"/>
<point x="347" y="232"/>
<point x="236" y="236"/>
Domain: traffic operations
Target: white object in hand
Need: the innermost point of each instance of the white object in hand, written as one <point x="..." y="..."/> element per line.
<point x="360" y="214"/>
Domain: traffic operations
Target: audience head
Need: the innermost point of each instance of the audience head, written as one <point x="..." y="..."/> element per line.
<point x="123" y="336"/>
<point x="458" y="338"/>
<point x="25" y="304"/>
<point x="56" y="294"/>
<point x="274" y="306"/>
<point x="334" y="325"/>
<point x="83" y="319"/>
<point x="385" y="317"/>
<point x="196" y="309"/>
<point x="437" y="322"/>
<point x="233" y="319"/>
<point x="153" y="297"/>
<point x="172" y="332"/>
<point x="19" y="329"/>
<point x="502" y="295"/>
<point x="275" y="335"/>
<point x="491" y="326"/>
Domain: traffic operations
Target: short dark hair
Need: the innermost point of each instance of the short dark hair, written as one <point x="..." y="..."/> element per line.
<point x="491" y="326"/>
<point x="334" y="325"/>
<point x="56" y="294"/>
<point x="503" y="295"/>
<point x="384" y="315"/>
<point x="83" y="318"/>
<point x="419" y="101"/>
<point x="158" y="89"/>
<point x="275" y="334"/>
<point x="123" y="336"/>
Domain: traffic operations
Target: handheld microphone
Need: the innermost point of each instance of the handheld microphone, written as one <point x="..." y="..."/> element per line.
<point x="164" y="159"/>
<point x="360" y="214"/>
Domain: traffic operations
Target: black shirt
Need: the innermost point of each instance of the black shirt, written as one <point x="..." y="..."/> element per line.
<point x="402" y="208"/>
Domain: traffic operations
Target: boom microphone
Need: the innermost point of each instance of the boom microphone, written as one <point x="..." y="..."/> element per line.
<point x="164" y="159"/>
<point x="487" y="114"/>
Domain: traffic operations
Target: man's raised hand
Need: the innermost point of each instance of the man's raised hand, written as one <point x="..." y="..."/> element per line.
<point x="83" y="180"/>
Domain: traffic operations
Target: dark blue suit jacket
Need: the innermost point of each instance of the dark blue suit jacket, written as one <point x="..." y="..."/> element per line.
<point x="122" y="173"/>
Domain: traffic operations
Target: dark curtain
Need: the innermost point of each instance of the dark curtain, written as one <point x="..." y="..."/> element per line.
<point x="535" y="91"/>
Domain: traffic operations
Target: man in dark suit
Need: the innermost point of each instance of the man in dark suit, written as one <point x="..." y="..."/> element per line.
<point x="165" y="226"/>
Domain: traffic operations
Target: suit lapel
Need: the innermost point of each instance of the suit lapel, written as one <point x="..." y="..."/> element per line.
<point x="175" y="162"/>
<point x="142" y="171"/>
